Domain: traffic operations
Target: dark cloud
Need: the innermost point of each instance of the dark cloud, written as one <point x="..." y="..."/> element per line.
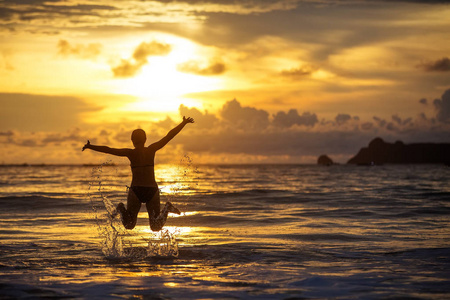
<point x="417" y="1"/>
<point x="397" y="120"/>
<point x="57" y="138"/>
<point x="89" y="51"/>
<point x="120" y="14"/>
<point x="367" y="126"/>
<point x="38" y="112"/>
<point x="8" y="133"/>
<point x="440" y="65"/>
<point x="391" y="127"/>
<point x="423" y="101"/>
<point x="249" y="3"/>
<point x="342" y="118"/>
<point x="245" y="130"/>
<point x="380" y="122"/>
<point x="41" y="139"/>
<point x="194" y="67"/>
<point x="296" y="143"/>
<point x="443" y="107"/>
<point x="27" y="143"/>
<point x="32" y="10"/>
<point x="287" y="120"/>
<point x="128" y="68"/>
<point x="244" y="117"/>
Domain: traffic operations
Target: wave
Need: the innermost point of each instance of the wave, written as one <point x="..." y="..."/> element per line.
<point x="39" y="202"/>
<point x="345" y="237"/>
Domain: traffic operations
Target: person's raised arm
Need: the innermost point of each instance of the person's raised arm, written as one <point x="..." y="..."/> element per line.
<point x="106" y="149"/>
<point x="172" y="133"/>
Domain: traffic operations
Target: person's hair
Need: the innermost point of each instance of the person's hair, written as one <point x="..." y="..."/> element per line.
<point x="138" y="137"/>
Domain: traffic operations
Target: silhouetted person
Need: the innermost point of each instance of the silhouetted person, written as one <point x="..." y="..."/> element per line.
<point x="144" y="188"/>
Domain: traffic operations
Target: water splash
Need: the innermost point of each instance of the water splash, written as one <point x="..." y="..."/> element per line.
<point x="186" y="180"/>
<point x="109" y="228"/>
<point x="163" y="244"/>
<point x="115" y="244"/>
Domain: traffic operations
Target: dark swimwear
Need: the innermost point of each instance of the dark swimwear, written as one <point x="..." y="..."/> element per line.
<point x="144" y="193"/>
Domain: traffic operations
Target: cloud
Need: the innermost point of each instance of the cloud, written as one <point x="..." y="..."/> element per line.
<point x="130" y="67"/>
<point x="41" y="138"/>
<point x="40" y="112"/>
<point x="396" y="119"/>
<point x="38" y="16"/>
<point x="244" y="117"/>
<point x="440" y="65"/>
<point x="443" y="107"/>
<point x="342" y="118"/>
<point x="293" y="144"/>
<point x="234" y="133"/>
<point x="127" y="68"/>
<point x="167" y="123"/>
<point x="423" y="101"/>
<point x="299" y="72"/>
<point x="380" y="122"/>
<point x="287" y="120"/>
<point x="152" y="48"/>
<point x="91" y="51"/>
<point x="367" y="126"/>
<point x="57" y="138"/>
<point x="195" y="67"/>
<point x="203" y="120"/>
<point x="264" y="138"/>
<point x="8" y="133"/>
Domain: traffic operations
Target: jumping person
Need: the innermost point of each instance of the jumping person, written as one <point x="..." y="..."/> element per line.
<point x="144" y="188"/>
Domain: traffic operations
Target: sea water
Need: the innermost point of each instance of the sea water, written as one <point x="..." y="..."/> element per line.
<point x="245" y="232"/>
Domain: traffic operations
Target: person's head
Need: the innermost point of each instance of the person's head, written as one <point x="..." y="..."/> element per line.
<point x="138" y="137"/>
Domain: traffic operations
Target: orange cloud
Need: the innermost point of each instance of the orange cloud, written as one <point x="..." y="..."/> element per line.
<point x="89" y="51"/>
<point x="299" y="72"/>
<point x="194" y="67"/>
<point x="440" y="65"/>
<point x="128" y="68"/>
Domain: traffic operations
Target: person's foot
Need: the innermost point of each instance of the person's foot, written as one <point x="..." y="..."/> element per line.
<point x="173" y="209"/>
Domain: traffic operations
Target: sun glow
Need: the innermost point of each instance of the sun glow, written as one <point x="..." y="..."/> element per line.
<point x="161" y="87"/>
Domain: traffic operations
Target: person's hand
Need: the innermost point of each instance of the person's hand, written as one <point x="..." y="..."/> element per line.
<point x="86" y="146"/>
<point x="188" y="119"/>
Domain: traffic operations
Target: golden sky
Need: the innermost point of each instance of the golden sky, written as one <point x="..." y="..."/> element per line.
<point x="267" y="81"/>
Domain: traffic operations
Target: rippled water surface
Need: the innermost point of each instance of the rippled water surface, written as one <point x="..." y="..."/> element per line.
<point x="248" y="232"/>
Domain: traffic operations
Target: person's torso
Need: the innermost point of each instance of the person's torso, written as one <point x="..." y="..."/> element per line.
<point x="142" y="162"/>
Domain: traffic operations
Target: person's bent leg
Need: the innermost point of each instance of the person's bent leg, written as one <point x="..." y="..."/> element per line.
<point x="130" y="213"/>
<point x="153" y="207"/>
<point x="158" y="219"/>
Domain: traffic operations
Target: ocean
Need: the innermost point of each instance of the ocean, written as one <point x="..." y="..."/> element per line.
<point x="245" y="232"/>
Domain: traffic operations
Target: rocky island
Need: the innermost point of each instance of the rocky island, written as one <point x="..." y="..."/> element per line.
<point x="324" y="160"/>
<point x="379" y="152"/>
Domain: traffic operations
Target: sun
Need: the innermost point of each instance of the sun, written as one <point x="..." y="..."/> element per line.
<point x="160" y="86"/>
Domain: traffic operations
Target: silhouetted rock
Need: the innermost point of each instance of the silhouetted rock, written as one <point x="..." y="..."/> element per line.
<point x="324" y="160"/>
<point x="379" y="152"/>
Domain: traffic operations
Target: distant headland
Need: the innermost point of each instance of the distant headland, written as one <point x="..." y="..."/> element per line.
<point x="379" y="152"/>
